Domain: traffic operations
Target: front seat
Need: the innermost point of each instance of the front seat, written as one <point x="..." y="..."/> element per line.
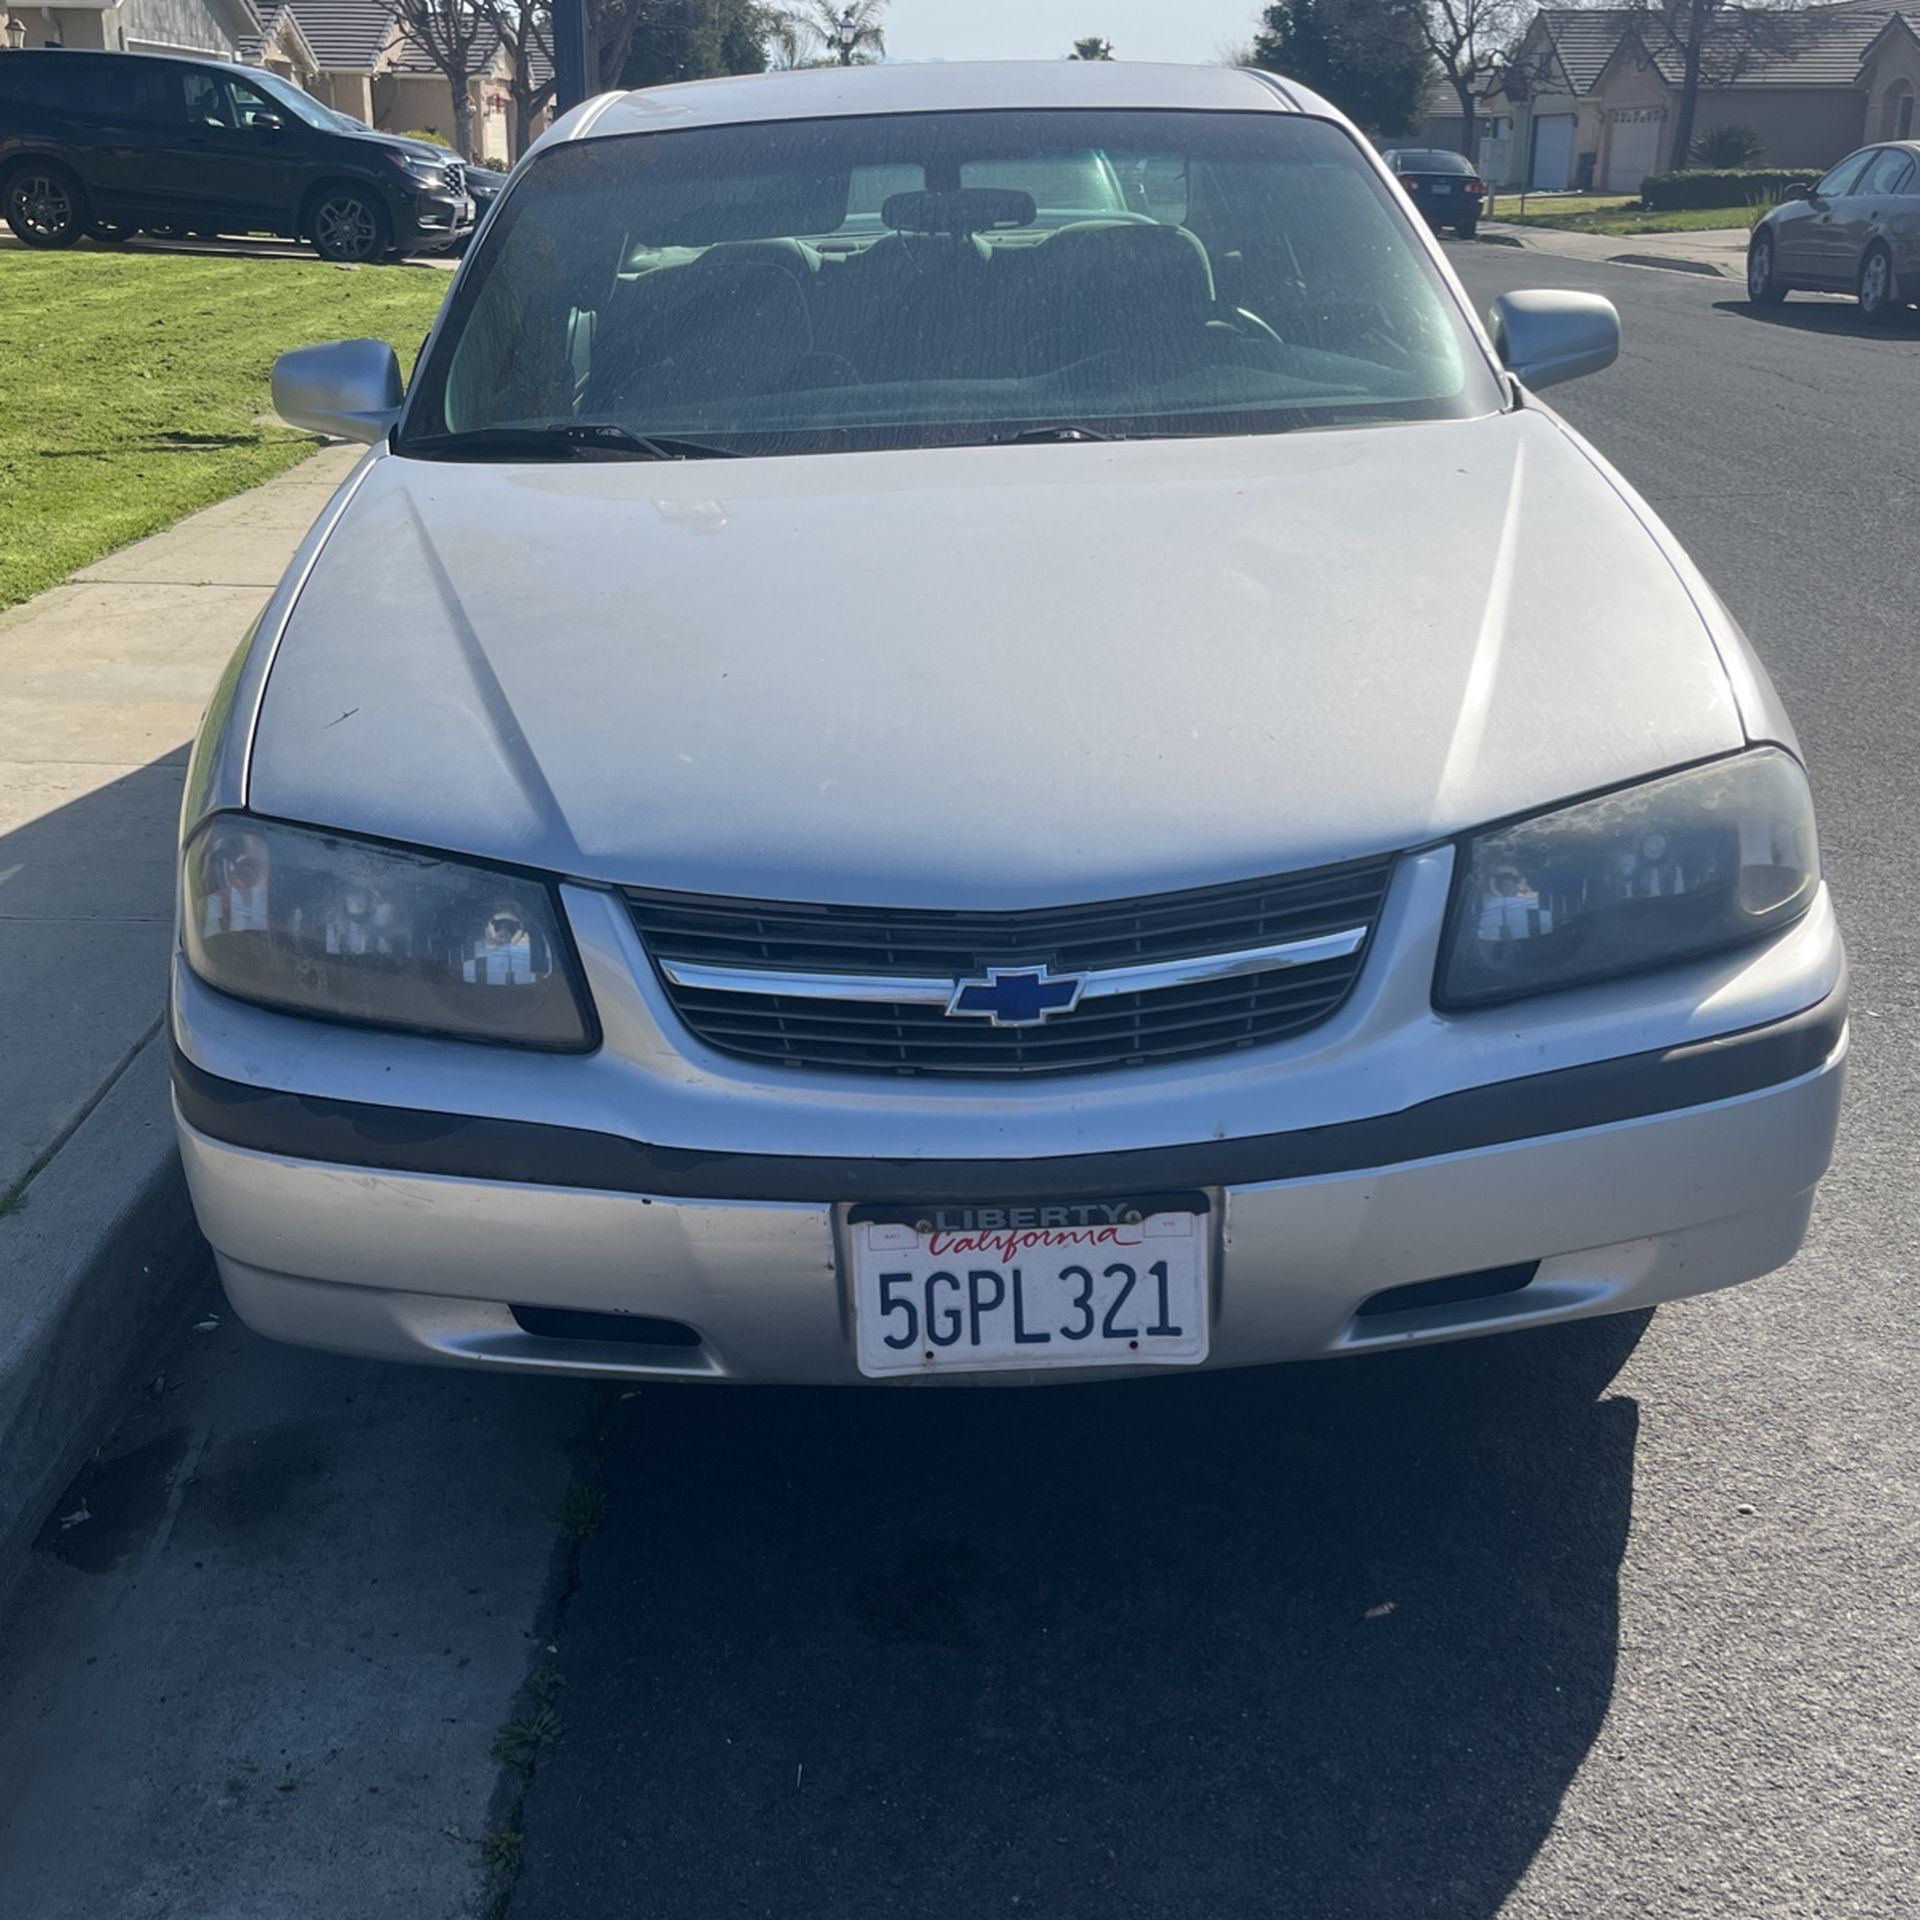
<point x="1105" y="286"/>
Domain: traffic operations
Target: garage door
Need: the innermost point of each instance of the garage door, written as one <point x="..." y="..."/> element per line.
<point x="1552" y="153"/>
<point x="1630" y="154"/>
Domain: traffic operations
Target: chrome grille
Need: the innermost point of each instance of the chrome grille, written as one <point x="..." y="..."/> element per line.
<point x="1125" y="1029"/>
<point x="457" y="176"/>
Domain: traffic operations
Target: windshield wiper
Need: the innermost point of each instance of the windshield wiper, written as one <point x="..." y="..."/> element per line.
<point x="1030" y="436"/>
<point x="563" y="440"/>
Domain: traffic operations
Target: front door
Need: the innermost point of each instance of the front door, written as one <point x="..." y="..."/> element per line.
<point x="1811" y="250"/>
<point x="1866" y="210"/>
<point x="239" y="157"/>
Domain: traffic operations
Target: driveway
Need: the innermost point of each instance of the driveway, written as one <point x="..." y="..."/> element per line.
<point x="254" y="247"/>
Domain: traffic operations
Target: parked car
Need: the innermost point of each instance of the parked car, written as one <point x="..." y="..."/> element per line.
<point x="1857" y="230"/>
<point x="830" y="806"/>
<point x="1444" y="186"/>
<point x="105" y="143"/>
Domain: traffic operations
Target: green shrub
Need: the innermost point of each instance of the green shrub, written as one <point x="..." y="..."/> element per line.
<point x="1728" y="147"/>
<point x="1719" y="187"/>
<point x="430" y="137"/>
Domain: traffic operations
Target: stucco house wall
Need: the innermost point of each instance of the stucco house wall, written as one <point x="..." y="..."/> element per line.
<point x="1892" y="75"/>
<point x="1798" y="126"/>
<point x="141" y="26"/>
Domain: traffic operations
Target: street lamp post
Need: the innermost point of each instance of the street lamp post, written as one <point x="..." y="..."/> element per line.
<point x="847" y="37"/>
<point x="572" y="49"/>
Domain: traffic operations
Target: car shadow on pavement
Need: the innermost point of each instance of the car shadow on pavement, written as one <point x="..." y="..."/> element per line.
<point x="1314" y="1641"/>
<point x="1825" y="316"/>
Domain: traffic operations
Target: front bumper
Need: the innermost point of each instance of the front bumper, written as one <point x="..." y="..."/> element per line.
<point x="372" y="1230"/>
<point x="435" y="220"/>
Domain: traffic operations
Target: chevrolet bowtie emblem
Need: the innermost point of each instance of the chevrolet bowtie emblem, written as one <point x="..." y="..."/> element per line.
<point x="1016" y="996"/>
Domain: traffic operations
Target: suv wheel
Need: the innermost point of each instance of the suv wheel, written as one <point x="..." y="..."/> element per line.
<point x="348" y="224"/>
<point x="45" y="205"/>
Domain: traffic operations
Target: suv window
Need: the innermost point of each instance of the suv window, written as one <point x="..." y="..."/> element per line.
<point x="1428" y="160"/>
<point x="1840" y="180"/>
<point x="57" y="80"/>
<point x="709" y="284"/>
<point x="147" y="92"/>
<point x="208" y="102"/>
<point x="1889" y="168"/>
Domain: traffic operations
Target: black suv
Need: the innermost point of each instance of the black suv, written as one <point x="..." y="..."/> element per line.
<point x="109" y="143"/>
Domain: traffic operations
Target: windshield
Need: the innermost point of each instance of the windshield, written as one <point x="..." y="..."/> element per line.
<point x="304" y="105"/>
<point x="1431" y="161"/>
<point x="931" y="279"/>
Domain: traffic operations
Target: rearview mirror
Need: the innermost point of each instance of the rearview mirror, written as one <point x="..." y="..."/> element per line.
<point x="265" y="123"/>
<point x="1546" y="335"/>
<point x="1797" y="190"/>
<point x="350" y="390"/>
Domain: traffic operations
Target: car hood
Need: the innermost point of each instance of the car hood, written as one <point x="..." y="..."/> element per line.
<point x="984" y="676"/>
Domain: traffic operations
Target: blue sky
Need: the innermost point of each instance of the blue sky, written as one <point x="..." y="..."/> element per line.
<point x="1043" y="29"/>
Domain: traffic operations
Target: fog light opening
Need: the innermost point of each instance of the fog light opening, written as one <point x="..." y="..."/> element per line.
<point x="619" y="1329"/>
<point x="1487" y="1284"/>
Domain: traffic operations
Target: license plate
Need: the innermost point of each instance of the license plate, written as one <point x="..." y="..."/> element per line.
<point x="1083" y="1284"/>
<point x="1440" y="186"/>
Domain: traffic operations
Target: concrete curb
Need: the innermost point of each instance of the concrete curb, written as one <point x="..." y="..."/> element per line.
<point x="93" y="1266"/>
<point x="1665" y="263"/>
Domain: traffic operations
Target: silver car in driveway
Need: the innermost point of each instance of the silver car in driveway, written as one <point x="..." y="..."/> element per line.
<point x="1856" y="230"/>
<point x="970" y="794"/>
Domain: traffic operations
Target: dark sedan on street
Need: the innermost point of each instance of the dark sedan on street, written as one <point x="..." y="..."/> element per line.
<point x="1442" y="185"/>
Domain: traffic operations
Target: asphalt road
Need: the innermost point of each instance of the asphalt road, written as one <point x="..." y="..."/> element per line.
<point x="1537" y="1628"/>
<point x="1617" y="1623"/>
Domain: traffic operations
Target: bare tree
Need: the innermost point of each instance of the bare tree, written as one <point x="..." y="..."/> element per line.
<point x="1713" y="46"/>
<point x="455" y="35"/>
<point x="1470" y="41"/>
<point x="525" y="30"/>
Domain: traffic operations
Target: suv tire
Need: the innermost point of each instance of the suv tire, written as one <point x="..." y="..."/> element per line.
<point x="348" y="225"/>
<point x="45" y="204"/>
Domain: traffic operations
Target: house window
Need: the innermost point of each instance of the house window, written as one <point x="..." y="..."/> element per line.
<point x="1896" y="117"/>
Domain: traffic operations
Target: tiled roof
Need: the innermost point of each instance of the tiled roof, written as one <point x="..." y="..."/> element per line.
<point x="1583" y="39"/>
<point x="410" y="57"/>
<point x="271" y="23"/>
<point x="1821" y="47"/>
<point x="346" y="35"/>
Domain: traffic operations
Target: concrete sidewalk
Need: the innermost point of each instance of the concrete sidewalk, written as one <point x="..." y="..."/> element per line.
<point x="102" y="683"/>
<point x="1715" y="250"/>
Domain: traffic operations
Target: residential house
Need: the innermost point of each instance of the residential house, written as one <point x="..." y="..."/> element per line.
<point x="1588" y="99"/>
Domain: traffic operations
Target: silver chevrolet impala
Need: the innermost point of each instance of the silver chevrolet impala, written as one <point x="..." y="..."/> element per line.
<point x="967" y="725"/>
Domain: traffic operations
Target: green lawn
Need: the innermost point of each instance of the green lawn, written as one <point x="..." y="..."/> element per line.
<point x="132" y="385"/>
<point x="1614" y="214"/>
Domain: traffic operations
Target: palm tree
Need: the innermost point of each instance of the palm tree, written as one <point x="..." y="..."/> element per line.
<point x="851" y="35"/>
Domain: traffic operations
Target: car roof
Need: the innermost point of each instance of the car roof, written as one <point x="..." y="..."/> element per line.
<point x="946" y="86"/>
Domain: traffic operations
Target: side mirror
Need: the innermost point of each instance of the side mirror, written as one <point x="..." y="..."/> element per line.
<point x="1797" y="190"/>
<point x="1545" y="336"/>
<point x="351" y="390"/>
<point x="265" y="123"/>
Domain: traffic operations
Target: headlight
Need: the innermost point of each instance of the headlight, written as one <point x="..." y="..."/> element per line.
<point x="429" y="173"/>
<point x="1684" y="865"/>
<point x="319" y="924"/>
